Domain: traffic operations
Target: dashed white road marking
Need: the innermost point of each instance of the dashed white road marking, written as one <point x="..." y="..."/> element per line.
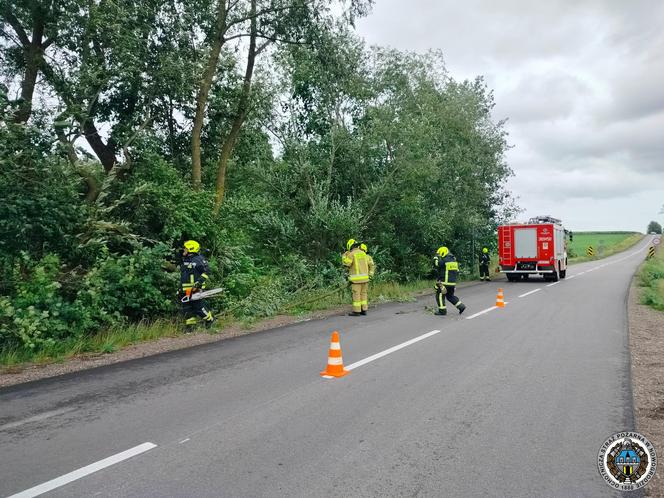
<point x="531" y="292"/>
<point x="84" y="471"/>
<point x="376" y="356"/>
<point x="184" y="440"/>
<point x="555" y="283"/>
<point x="484" y="311"/>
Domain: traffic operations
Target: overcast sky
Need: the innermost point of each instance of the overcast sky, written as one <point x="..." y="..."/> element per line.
<point x="582" y="83"/>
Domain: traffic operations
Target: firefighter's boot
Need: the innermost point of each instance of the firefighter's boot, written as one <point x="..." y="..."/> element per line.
<point x="461" y="307"/>
<point x="354" y="313"/>
<point x="442" y="312"/>
<point x="363" y="312"/>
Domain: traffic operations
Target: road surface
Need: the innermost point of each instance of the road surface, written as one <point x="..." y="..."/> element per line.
<point x="509" y="402"/>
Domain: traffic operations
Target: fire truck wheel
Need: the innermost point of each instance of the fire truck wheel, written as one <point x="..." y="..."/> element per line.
<point x="554" y="275"/>
<point x="563" y="273"/>
<point x="512" y="277"/>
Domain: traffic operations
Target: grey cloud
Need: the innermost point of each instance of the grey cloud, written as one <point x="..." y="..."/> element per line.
<point x="580" y="180"/>
<point x="541" y="97"/>
<point x="638" y="144"/>
<point x="637" y="90"/>
<point x="582" y="84"/>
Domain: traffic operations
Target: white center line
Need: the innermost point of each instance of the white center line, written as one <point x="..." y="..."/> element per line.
<point x="83" y="471"/>
<point x="391" y="350"/>
<point x="555" y="283"/>
<point x="482" y="312"/>
<point x="531" y="292"/>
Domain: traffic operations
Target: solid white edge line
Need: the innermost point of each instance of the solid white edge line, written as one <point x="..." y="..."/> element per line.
<point x="531" y="292"/>
<point x="555" y="283"/>
<point x="376" y="356"/>
<point x="36" y="418"/>
<point x="571" y="277"/>
<point x="83" y="471"/>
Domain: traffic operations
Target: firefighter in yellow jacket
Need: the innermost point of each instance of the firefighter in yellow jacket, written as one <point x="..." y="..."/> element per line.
<point x="370" y="261"/>
<point x="355" y="260"/>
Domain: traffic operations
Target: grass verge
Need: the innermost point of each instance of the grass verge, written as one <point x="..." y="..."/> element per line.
<point x="604" y="243"/>
<point x="651" y="278"/>
<point x="119" y="337"/>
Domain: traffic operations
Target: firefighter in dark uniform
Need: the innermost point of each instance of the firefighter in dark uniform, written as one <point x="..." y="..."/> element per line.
<point x="484" y="265"/>
<point x="193" y="278"/>
<point x="447" y="274"/>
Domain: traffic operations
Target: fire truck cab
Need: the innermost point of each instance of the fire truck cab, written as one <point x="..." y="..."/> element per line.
<point x="538" y="247"/>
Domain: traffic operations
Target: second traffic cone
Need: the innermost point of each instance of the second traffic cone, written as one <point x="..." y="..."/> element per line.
<point x="335" y="364"/>
<point x="500" y="301"/>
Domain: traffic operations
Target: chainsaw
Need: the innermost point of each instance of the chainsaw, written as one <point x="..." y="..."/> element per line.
<point x="199" y="295"/>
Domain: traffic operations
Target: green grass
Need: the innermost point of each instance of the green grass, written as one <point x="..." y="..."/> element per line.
<point x="119" y="337"/>
<point x="651" y="277"/>
<point x="604" y="243"/>
<point x="105" y="342"/>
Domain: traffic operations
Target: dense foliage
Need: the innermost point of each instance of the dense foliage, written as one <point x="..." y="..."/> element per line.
<point x="307" y="138"/>
<point x="654" y="227"/>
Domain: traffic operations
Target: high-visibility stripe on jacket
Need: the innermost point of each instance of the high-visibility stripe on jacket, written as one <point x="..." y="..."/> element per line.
<point x="447" y="269"/>
<point x="193" y="271"/>
<point x="371" y="266"/>
<point x="357" y="264"/>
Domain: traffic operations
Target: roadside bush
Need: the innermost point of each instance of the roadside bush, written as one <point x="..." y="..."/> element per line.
<point x="41" y="206"/>
<point x="37" y="314"/>
<point x="134" y="286"/>
<point x="652" y="278"/>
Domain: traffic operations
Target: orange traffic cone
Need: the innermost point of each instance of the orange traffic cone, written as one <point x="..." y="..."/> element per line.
<point x="335" y="364"/>
<point x="500" y="301"/>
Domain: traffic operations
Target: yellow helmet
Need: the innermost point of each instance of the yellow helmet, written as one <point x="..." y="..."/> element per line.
<point x="363" y="246"/>
<point x="442" y="251"/>
<point x="192" y="246"/>
<point x="350" y="243"/>
<point x="485" y="250"/>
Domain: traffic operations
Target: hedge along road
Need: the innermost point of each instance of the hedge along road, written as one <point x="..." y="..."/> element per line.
<point x="512" y="401"/>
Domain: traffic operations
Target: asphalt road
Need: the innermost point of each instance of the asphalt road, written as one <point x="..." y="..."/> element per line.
<point x="512" y="402"/>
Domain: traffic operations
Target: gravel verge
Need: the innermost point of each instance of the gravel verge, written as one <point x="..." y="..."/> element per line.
<point x="646" y="341"/>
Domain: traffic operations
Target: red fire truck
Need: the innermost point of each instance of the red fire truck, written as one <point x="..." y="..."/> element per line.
<point x="536" y="247"/>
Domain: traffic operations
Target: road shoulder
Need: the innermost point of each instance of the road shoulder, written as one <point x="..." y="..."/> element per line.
<point x="20" y="374"/>
<point x="646" y="340"/>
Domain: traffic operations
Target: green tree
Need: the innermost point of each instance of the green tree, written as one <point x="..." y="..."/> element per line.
<point x="654" y="227"/>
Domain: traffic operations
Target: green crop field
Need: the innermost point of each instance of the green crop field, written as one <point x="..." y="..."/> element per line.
<point x="604" y="243"/>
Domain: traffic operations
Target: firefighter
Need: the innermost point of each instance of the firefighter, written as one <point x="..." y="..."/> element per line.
<point x="484" y="265"/>
<point x="193" y="278"/>
<point x="447" y="274"/>
<point x="355" y="261"/>
<point x="370" y="262"/>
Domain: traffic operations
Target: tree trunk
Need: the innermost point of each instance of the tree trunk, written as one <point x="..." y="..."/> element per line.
<point x="32" y="56"/>
<point x="104" y="151"/>
<point x="243" y="107"/>
<point x="33" y="52"/>
<point x="204" y="90"/>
